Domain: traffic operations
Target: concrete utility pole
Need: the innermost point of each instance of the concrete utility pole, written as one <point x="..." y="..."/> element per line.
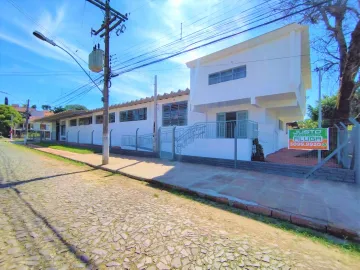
<point x="27" y="122"/>
<point x="155" y="115"/>
<point x="111" y="15"/>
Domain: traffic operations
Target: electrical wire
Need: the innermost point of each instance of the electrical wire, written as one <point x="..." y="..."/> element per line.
<point x="193" y="43"/>
<point x="222" y="38"/>
<point x="176" y="42"/>
<point x="146" y="46"/>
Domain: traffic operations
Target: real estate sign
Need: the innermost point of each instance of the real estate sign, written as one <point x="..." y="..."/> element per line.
<point x="309" y="139"/>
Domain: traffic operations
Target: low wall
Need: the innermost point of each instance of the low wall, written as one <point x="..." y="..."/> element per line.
<point x="219" y="148"/>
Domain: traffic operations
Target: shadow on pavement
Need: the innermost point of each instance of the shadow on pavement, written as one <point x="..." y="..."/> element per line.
<point x="89" y="263"/>
<point x="12" y="184"/>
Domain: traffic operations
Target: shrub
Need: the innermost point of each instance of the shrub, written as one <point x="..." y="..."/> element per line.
<point x="258" y="151"/>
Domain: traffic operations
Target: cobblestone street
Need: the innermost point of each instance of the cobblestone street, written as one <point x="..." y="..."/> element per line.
<point x="58" y="215"/>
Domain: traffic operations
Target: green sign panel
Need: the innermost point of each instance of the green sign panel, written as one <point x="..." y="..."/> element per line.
<point x="309" y="139"/>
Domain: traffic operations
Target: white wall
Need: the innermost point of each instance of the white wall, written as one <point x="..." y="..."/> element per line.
<point x="263" y="77"/>
<point x="219" y="148"/>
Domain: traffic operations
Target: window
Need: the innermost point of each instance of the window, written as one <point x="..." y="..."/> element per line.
<point x="281" y="125"/>
<point x="133" y="115"/>
<point x="73" y="123"/>
<point x="85" y="121"/>
<point x="98" y="119"/>
<point x="112" y="117"/>
<point x="174" y="114"/>
<point x="42" y="126"/>
<point x="62" y="128"/>
<point x="227" y="75"/>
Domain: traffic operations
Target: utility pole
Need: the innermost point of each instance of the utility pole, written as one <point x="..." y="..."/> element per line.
<point x="27" y="122"/>
<point x="155" y="115"/>
<point x="111" y="15"/>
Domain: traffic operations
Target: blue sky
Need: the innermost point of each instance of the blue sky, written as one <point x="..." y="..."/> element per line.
<point x="28" y="65"/>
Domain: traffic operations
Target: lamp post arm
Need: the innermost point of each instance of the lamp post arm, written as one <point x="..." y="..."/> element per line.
<point x="79" y="66"/>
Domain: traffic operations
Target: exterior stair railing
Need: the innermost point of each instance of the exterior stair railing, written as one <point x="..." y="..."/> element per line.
<point x="245" y="129"/>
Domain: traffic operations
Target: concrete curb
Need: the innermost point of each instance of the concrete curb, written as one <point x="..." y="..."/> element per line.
<point x="296" y="219"/>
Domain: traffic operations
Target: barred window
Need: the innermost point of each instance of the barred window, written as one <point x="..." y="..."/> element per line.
<point x="174" y="114"/>
<point x="73" y="122"/>
<point x="112" y="117"/>
<point x="99" y="119"/>
<point x="85" y="121"/>
<point x="133" y="115"/>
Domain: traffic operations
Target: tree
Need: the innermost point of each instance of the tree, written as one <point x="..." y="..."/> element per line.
<point x="308" y="123"/>
<point x="46" y="107"/>
<point x="33" y="106"/>
<point x="76" y="107"/>
<point x="328" y="108"/>
<point x="339" y="45"/>
<point x="5" y="119"/>
<point x="58" y="109"/>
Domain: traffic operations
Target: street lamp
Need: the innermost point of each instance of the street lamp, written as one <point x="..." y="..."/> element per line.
<point x="43" y="38"/>
<point x="105" y="141"/>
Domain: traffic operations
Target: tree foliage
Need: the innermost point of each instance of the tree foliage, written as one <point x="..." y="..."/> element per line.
<point x="33" y="106"/>
<point x="5" y="119"/>
<point x="58" y="109"/>
<point x="328" y="108"/>
<point x="308" y="123"/>
<point x="338" y="44"/>
<point x="76" y="107"/>
<point x="46" y="107"/>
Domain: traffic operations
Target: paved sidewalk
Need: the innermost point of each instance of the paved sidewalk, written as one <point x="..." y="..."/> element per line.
<point x="330" y="206"/>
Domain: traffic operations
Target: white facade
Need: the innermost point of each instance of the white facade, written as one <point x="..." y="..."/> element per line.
<point x="274" y="88"/>
<point x="261" y="82"/>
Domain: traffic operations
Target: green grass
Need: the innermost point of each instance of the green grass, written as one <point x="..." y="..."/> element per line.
<point x="68" y="148"/>
<point x="69" y="161"/>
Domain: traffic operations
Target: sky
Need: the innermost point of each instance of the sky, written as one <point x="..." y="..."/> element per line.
<point x="32" y="69"/>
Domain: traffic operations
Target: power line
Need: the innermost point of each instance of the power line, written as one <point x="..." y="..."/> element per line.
<point x="146" y="46"/>
<point x="198" y="31"/>
<point x="220" y="39"/>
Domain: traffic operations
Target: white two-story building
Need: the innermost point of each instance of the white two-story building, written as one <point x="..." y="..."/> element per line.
<point x="263" y="80"/>
<point x="250" y="90"/>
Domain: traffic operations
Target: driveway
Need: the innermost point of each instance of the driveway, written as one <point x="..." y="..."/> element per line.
<point x="54" y="214"/>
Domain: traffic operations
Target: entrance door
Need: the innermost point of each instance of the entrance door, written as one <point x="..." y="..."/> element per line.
<point x="241" y="117"/>
<point x="57" y="130"/>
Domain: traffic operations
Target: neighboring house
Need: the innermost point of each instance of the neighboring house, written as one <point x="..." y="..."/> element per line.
<point x="44" y="128"/>
<point x="250" y="90"/>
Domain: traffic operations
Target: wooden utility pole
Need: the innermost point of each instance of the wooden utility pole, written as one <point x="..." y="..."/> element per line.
<point x="27" y="122"/>
<point x="111" y="15"/>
